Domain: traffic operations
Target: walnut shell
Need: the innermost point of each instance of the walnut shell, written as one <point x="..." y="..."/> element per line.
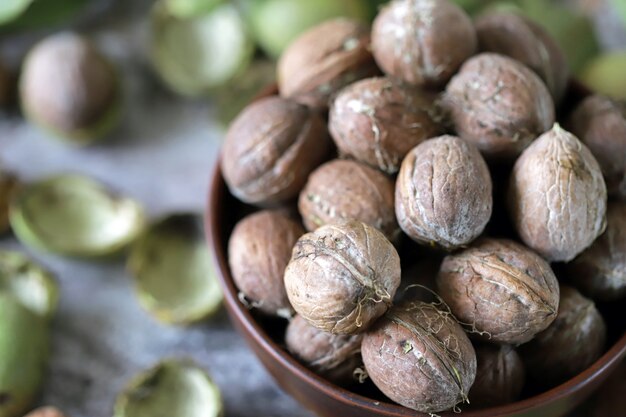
<point x="557" y="196"/>
<point x="600" y="271"/>
<point x="443" y="193"/>
<point x="500" y="376"/>
<point x="347" y="190"/>
<point x="422" y="42"/>
<point x="601" y="124"/>
<point x="270" y="150"/>
<point x="342" y="277"/>
<point x="333" y="356"/>
<point x="377" y="121"/>
<point x="570" y="345"/>
<point x="68" y="86"/>
<point x="506" y="292"/>
<point x="420" y="357"/>
<point x="259" y="250"/>
<point x="499" y="105"/>
<point x="520" y="38"/>
<point x="325" y="59"/>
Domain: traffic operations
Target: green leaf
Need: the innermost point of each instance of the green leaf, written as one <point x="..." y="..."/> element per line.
<point x="11" y="9"/>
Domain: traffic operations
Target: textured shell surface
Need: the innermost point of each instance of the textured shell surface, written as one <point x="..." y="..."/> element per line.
<point x="444" y="193"/>
<point x="342" y="277"/>
<point x="557" y="196"/>
<point x="420" y="357"/>
<point x="504" y="291"/>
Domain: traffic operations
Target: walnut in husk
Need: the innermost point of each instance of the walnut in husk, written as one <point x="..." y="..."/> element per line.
<point x="325" y="59"/>
<point x="499" y="376"/>
<point x="443" y="193"/>
<point x="378" y="121"/>
<point x="557" y="196"/>
<point x="333" y="356"/>
<point x="347" y="190"/>
<point x="514" y="35"/>
<point x="342" y="277"/>
<point x="422" y="42"/>
<point x="69" y="88"/>
<point x="270" y="150"/>
<point x="420" y="357"/>
<point x="498" y="104"/>
<point x="258" y="252"/>
<point x="601" y="124"/>
<point x="570" y="345"/>
<point x="600" y="271"/>
<point x="504" y="291"/>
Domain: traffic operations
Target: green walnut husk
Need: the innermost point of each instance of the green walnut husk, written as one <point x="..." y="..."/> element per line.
<point x="191" y="8"/>
<point x="195" y="55"/>
<point x="28" y="283"/>
<point x="606" y="75"/>
<point x="276" y="23"/>
<point x="42" y="14"/>
<point x="173" y="388"/>
<point x="24" y="345"/>
<point x="12" y="9"/>
<point x="173" y="271"/>
<point x="8" y="186"/>
<point x="231" y="99"/>
<point x="74" y="215"/>
<point x="573" y="31"/>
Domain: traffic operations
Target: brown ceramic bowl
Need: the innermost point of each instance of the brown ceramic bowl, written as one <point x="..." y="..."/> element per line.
<point x="328" y="400"/>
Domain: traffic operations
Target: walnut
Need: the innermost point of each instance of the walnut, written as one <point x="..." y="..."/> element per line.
<point x="570" y="345"/>
<point x="324" y="59"/>
<point x="333" y="356"/>
<point x="258" y="252"/>
<point x="347" y="190"/>
<point x="500" y="376"/>
<point x="270" y="150"/>
<point x="600" y="271"/>
<point x="499" y="105"/>
<point x="342" y="277"/>
<point x="443" y="193"/>
<point x="506" y="292"/>
<point x="601" y="124"/>
<point x="520" y="38"/>
<point x="557" y="196"/>
<point x="378" y="121"/>
<point x="420" y="357"/>
<point x="422" y="42"/>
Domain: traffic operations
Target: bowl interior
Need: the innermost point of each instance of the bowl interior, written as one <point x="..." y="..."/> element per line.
<point x="223" y="212"/>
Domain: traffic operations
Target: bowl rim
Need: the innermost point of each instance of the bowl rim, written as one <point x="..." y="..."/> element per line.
<point x="213" y="228"/>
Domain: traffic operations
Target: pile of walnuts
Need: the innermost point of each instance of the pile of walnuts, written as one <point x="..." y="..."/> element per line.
<point x="388" y="139"/>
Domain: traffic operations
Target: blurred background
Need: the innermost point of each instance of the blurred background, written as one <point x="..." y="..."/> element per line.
<point x="185" y="68"/>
